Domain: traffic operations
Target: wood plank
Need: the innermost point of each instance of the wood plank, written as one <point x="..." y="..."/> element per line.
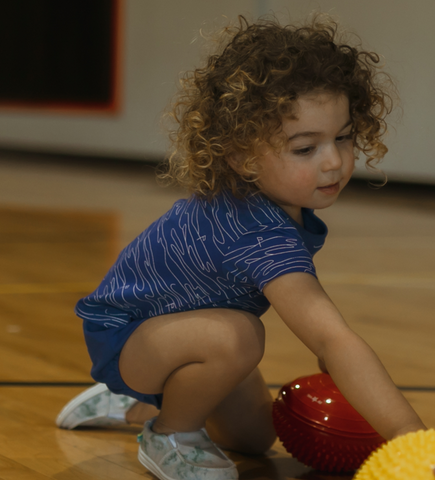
<point x="378" y="266"/>
<point x="90" y="453"/>
<point x="11" y="470"/>
<point x="42" y="339"/>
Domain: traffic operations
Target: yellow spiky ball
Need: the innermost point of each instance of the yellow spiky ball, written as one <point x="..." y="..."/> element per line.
<point x="409" y="457"/>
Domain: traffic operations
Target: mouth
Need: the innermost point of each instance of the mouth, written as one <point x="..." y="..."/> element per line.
<point x="332" y="189"/>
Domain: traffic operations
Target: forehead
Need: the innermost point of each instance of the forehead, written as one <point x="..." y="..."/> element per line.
<point x="321" y="110"/>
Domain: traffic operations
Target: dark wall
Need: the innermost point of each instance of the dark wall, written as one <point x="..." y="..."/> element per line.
<point x="57" y="51"/>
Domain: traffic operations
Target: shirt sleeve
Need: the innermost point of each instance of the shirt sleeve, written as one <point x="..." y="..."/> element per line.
<point x="257" y="258"/>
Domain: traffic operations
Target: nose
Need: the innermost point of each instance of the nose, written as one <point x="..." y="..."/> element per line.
<point x="333" y="159"/>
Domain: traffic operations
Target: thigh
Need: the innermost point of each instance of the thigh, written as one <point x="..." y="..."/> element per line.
<point x="162" y="344"/>
<point x="243" y="421"/>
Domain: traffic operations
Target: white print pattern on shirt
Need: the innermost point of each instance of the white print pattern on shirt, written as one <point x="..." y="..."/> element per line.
<point x="203" y="254"/>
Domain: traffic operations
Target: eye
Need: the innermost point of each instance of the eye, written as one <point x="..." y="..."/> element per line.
<point x="303" y="151"/>
<point x="344" y="138"/>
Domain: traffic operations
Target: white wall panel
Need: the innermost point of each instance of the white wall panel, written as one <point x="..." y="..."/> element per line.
<point x="403" y="32"/>
<point x="160" y="42"/>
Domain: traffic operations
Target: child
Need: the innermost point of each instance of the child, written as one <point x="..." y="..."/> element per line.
<point x="267" y="132"/>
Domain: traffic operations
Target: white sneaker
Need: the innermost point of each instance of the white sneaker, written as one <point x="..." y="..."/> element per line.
<point x="183" y="456"/>
<point x="96" y="406"/>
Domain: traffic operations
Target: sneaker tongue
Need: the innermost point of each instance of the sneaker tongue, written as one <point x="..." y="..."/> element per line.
<point x="197" y="448"/>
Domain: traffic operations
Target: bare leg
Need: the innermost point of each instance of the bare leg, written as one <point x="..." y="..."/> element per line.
<point x="195" y="358"/>
<point x="241" y="422"/>
<point x="139" y="413"/>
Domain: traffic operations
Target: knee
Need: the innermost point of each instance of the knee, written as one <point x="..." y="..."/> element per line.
<point x="240" y="339"/>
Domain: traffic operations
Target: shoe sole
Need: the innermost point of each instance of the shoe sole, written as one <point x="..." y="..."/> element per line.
<point x="77" y="401"/>
<point x="151" y="466"/>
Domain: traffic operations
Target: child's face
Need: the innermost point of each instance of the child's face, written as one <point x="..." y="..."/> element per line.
<point x="317" y="158"/>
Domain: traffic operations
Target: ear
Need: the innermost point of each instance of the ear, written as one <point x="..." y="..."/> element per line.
<point x="235" y="161"/>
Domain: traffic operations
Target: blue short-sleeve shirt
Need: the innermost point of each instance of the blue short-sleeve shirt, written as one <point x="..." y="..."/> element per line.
<point x="205" y="254"/>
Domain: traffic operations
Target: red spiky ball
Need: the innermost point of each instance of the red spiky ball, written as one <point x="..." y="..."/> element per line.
<point x="319" y="427"/>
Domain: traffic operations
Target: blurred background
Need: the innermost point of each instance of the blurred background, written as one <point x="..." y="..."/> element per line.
<point x="82" y="88"/>
<point x="92" y="78"/>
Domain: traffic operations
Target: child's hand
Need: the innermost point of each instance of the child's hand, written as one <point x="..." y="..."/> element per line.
<point x="409" y="429"/>
<point x="358" y="373"/>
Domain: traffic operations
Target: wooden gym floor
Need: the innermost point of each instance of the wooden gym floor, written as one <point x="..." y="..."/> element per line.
<point x="61" y="227"/>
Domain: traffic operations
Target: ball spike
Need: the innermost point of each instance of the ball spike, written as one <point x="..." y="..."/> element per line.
<point x="319" y="428"/>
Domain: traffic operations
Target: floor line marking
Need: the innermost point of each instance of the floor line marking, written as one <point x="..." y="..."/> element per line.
<point x="407" y="388"/>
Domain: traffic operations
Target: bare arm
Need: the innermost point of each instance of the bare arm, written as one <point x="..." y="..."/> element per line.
<point x="356" y="370"/>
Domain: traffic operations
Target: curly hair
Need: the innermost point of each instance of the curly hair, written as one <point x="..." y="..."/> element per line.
<point x="236" y="102"/>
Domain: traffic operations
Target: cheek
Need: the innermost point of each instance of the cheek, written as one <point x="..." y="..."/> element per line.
<point x="303" y="177"/>
<point x="350" y="154"/>
<point x="350" y="163"/>
<point x="276" y="173"/>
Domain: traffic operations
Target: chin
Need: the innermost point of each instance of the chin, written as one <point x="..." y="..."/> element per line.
<point x="323" y="205"/>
